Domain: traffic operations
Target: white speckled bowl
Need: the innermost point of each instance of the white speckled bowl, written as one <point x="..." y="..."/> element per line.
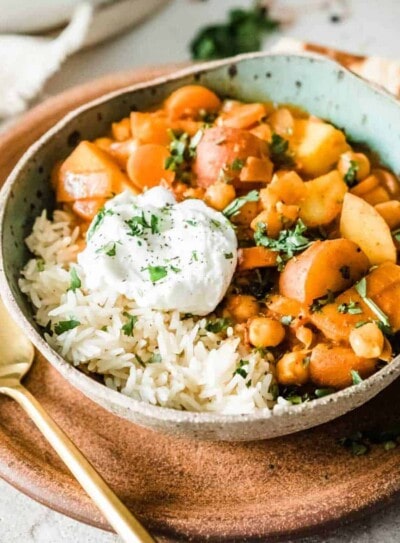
<point x="367" y="113"/>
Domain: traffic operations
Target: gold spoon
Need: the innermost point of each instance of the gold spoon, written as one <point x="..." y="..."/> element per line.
<point x="16" y="358"/>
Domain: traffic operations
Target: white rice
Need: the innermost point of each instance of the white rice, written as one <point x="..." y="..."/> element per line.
<point x="168" y="361"/>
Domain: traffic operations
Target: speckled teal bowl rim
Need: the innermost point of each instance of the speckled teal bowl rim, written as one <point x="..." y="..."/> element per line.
<point x="359" y="393"/>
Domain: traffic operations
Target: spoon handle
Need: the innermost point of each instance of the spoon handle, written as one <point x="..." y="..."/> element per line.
<point x="120" y="518"/>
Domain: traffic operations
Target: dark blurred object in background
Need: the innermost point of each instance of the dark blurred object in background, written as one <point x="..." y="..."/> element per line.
<point x="242" y="33"/>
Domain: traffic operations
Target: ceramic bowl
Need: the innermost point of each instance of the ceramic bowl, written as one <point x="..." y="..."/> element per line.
<point x="367" y="113"/>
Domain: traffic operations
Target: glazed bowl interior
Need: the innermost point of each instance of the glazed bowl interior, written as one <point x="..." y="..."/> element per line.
<point x="367" y="114"/>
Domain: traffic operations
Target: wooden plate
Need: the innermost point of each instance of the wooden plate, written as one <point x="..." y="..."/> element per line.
<point x="222" y="491"/>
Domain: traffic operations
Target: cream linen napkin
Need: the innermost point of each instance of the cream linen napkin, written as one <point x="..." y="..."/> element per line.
<point x="27" y="62"/>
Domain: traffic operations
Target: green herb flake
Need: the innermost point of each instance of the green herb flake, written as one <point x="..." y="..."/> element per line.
<point x="279" y="152"/>
<point x="240" y="370"/>
<point x="102" y="213"/>
<point x="237" y="164"/>
<point x="289" y="242"/>
<point x="218" y="325"/>
<point x="396" y="234"/>
<point x="109" y="249"/>
<point x="137" y="225"/>
<point x="154" y="224"/>
<point x="321" y="392"/>
<point x="319" y="303"/>
<point x="360" y="323"/>
<point x="195" y="256"/>
<point x="175" y="269"/>
<point x="154" y="359"/>
<point x="64" y="326"/>
<point x="356" y="378"/>
<point x="228" y="256"/>
<point x="234" y="207"/>
<point x="361" y="288"/>
<point x="40" y="264"/>
<point x="351" y="175"/>
<point x="75" y="281"/>
<point x="157" y="273"/>
<point x="128" y="327"/>
<point x="352" y="308"/>
<point x="191" y="222"/>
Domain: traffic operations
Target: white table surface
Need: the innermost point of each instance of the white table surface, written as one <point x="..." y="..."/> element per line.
<point x="372" y="27"/>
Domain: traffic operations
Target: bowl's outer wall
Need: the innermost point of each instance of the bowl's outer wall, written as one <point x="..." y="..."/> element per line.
<point x="369" y="115"/>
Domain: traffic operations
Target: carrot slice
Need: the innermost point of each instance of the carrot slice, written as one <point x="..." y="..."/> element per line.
<point x="121" y="130"/>
<point x="244" y="116"/>
<point x="146" y="166"/>
<point x="256" y="257"/>
<point x="188" y="101"/>
<point x="150" y="127"/>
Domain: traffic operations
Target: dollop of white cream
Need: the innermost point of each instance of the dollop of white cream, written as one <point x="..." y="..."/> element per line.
<point x="162" y="254"/>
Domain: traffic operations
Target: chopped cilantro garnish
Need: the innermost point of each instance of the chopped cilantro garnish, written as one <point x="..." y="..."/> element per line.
<point x="127" y="328"/>
<point x="279" y="152"/>
<point x="154" y="224"/>
<point x="137" y="225"/>
<point x="218" y="325"/>
<point x="64" y="326"/>
<point x="98" y="220"/>
<point x="109" y="249"/>
<point x="228" y="256"/>
<point x="237" y="164"/>
<point x="75" y="281"/>
<point x="321" y="392"/>
<point x="233" y="208"/>
<point x="396" y="234"/>
<point x="154" y="359"/>
<point x="361" y="323"/>
<point x="352" y="308"/>
<point x="361" y="288"/>
<point x="157" y="273"/>
<point x="355" y="376"/>
<point x="351" y="174"/>
<point x="289" y="242"/>
<point x="240" y="370"/>
<point x="319" y="303"/>
<point x="182" y="150"/>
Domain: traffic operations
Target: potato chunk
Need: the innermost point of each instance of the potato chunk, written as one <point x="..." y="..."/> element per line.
<point x="89" y="172"/>
<point x="323" y="199"/>
<point x="361" y="223"/>
<point x="330" y="265"/>
<point x="317" y="146"/>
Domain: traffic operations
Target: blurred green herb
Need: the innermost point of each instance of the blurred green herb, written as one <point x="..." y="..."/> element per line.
<point x="241" y="33"/>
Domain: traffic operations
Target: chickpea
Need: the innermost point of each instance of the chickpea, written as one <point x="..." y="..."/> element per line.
<point x="360" y="159"/>
<point x="293" y="369"/>
<point x="242" y="307"/>
<point x="367" y="341"/>
<point x="265" y="332"/>
<point x="219" y="195"/>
